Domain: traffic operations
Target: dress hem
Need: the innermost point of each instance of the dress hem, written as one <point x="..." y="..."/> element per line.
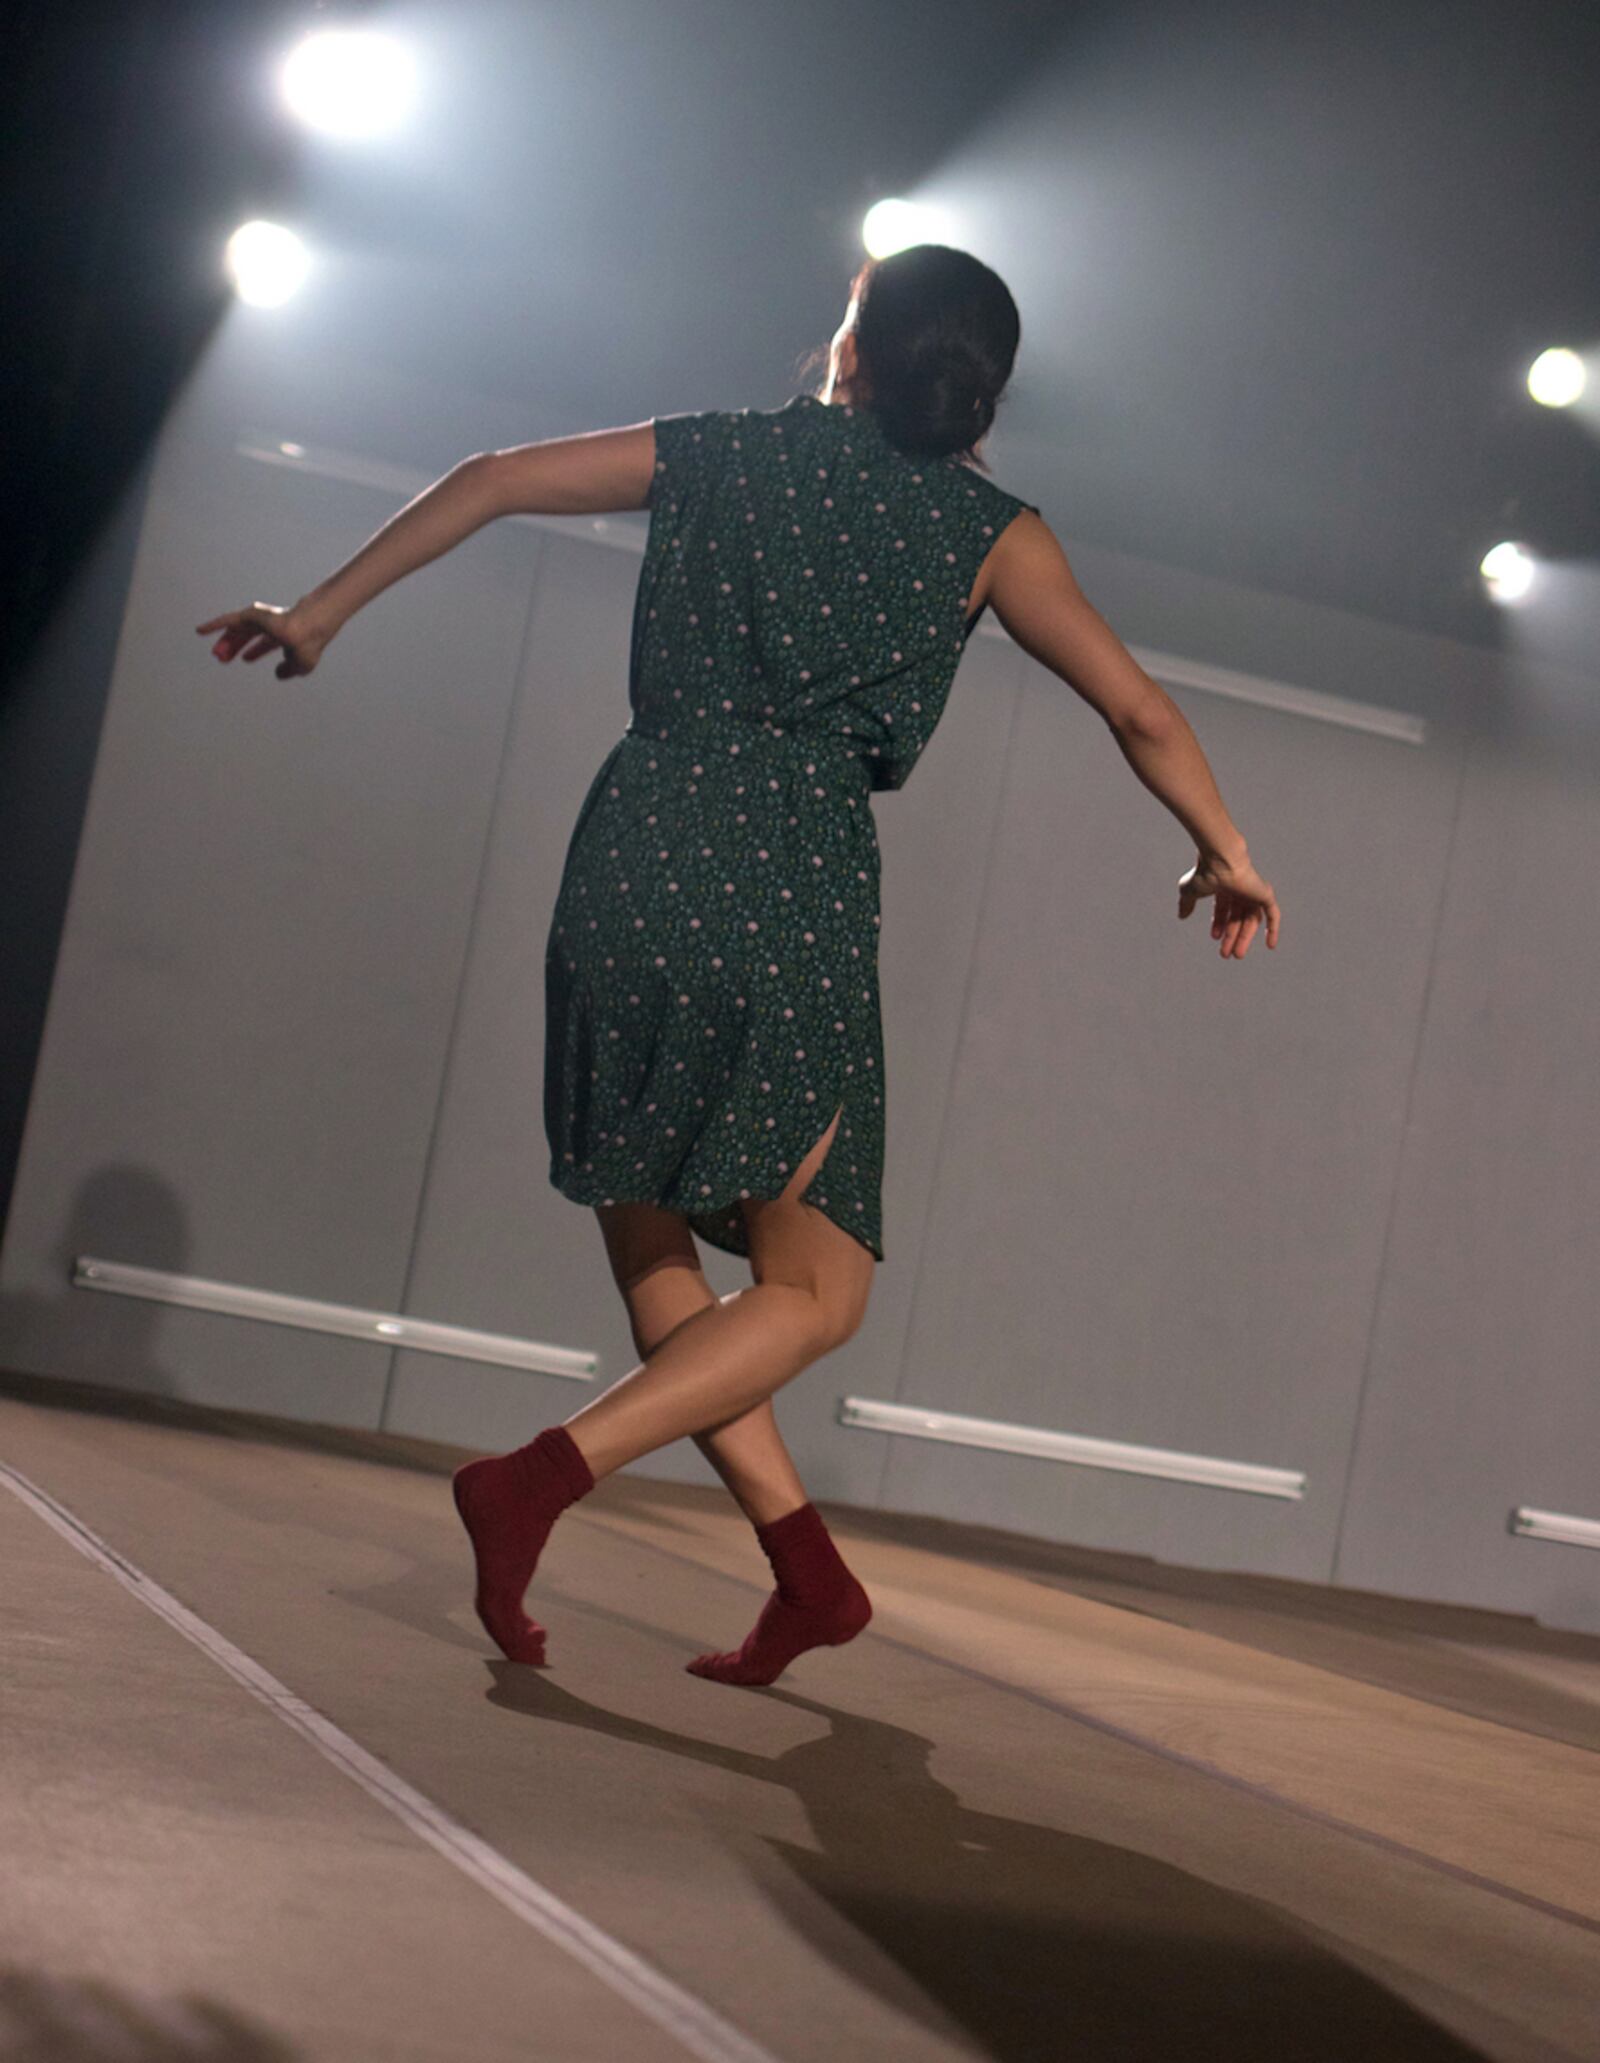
<point x="701" y="1219"/>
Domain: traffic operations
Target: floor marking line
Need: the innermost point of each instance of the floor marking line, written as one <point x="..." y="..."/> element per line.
<point x="699" y="2028"/>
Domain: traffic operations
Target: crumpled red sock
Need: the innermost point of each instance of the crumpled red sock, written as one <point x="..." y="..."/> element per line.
<point x="818" y="1603"/>
<point x="508" y="1503"/>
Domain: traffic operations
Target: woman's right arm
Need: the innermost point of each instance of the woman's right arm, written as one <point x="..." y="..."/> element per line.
<point x="595" y="471"/>
<point x="1034" y="593"/>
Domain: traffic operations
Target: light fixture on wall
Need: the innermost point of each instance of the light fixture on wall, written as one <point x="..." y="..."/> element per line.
<point x="384" y="1328"/>
<point x="873" y="1415"/>
<point x="1555" y="1525"/>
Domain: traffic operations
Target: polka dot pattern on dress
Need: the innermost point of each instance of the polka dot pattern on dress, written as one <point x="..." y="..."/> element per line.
<point x="711" y="967"/>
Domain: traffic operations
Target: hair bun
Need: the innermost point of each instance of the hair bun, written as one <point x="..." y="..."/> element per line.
<point x="937" y="408"/>
<point x="937" y="332"/>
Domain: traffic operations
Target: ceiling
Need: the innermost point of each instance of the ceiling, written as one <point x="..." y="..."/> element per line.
<point x="1281" y="267"/>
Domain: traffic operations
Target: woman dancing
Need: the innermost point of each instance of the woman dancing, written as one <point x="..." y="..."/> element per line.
<point x="713" y="1042"/>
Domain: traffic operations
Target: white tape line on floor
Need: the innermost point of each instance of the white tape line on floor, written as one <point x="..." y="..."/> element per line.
<point x="697" y="2027"/>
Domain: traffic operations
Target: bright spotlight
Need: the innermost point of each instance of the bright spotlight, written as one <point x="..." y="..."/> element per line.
<point x="1557" y="377"/>
<point x="1507" y="571"/>
<point x="349" y="82"/>
<point x="892" y="225"/>
<point x="267" y="263"/>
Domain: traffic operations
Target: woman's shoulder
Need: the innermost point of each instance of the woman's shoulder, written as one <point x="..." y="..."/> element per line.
<point x="985" y="494"/>
<point x="805" y="419"/>
<point x="696" y="432"/>
<point x="783" y="412"/>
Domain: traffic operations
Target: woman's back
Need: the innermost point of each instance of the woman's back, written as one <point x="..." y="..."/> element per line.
<point x="804" y="578"/>
<point x="711" y="968"/>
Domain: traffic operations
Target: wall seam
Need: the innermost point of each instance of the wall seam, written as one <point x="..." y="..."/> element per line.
<point x="957" y="1046"/>
<point x="447" y="1066"/>
<point x="1401" y="1160"/>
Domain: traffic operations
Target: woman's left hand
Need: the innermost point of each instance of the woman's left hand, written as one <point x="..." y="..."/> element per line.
<point x="252" y="633"/>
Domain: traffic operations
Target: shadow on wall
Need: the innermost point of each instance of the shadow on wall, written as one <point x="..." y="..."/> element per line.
<point x="55" y="2019"/>
<point x="1033" y="1942"/>
<point x="120" y="1213"/>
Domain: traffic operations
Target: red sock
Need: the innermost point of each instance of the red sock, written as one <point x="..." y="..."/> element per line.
<point x="817" y="1603"/>
<point x="508" y="1503"/>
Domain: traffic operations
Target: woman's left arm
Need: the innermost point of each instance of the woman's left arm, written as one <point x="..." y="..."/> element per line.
<point x="600" y="471"/>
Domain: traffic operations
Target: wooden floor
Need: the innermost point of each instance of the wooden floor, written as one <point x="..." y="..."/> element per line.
<point x="1054" y="1804"/>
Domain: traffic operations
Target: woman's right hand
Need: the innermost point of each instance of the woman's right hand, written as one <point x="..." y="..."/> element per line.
<point x="250" y="634"/>
<point x="1244" y="901"/>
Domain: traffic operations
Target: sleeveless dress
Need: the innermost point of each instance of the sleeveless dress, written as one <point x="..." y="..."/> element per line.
<point x="711" y="968"/>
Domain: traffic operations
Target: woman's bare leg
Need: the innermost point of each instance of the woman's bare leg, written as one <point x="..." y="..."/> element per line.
<point x="712" y="1372"/>
<point x="657" y="1269"/>
<point x="749" y="1454"/>
<point x="817" y="1601"/>
<point x="726" y="1358"/>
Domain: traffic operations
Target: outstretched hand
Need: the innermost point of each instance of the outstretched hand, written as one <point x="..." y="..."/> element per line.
<point x="1244" y="901"/>
<point x="252" y="633"/>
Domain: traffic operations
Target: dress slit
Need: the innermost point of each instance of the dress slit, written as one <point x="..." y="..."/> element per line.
<point x="835" y="1121"/>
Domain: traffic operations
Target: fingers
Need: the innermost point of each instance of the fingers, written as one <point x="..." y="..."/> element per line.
<point x="234" y="620"/>
<point x="239" y="629"/>
<point x="1244" y="930"/>
<point x="1263" y="912"/>
<point x="1236" y="942"/>
<point x="1235" y="919"/>
<point x="243" y="644"/>
<point x="247" y="633"/>
<point x="1231" y="924"/>
<point x="247" y="636"/>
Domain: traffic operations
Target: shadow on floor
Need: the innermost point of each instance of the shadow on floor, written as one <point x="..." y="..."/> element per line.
<point x="1460" y="1657"/>
<point x="53" y="2019"/>
<point x="1041" y="1945"/>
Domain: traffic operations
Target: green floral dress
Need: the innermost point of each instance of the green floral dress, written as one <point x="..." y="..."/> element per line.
<point x="711" y="969"/>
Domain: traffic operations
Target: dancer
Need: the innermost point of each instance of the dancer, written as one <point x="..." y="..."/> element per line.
<point x="713" y="1038"/>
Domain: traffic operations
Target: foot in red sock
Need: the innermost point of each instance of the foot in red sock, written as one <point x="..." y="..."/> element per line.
<point x="817" y="1603"/>
<point x="508" y="1503"/>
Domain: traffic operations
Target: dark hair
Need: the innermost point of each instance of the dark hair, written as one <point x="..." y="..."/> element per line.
<point x="936" y="337"/>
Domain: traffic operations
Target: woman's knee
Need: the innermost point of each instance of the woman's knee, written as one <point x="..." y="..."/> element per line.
<point x="829" y="1274"/>
<point x="845" y="1306"/>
